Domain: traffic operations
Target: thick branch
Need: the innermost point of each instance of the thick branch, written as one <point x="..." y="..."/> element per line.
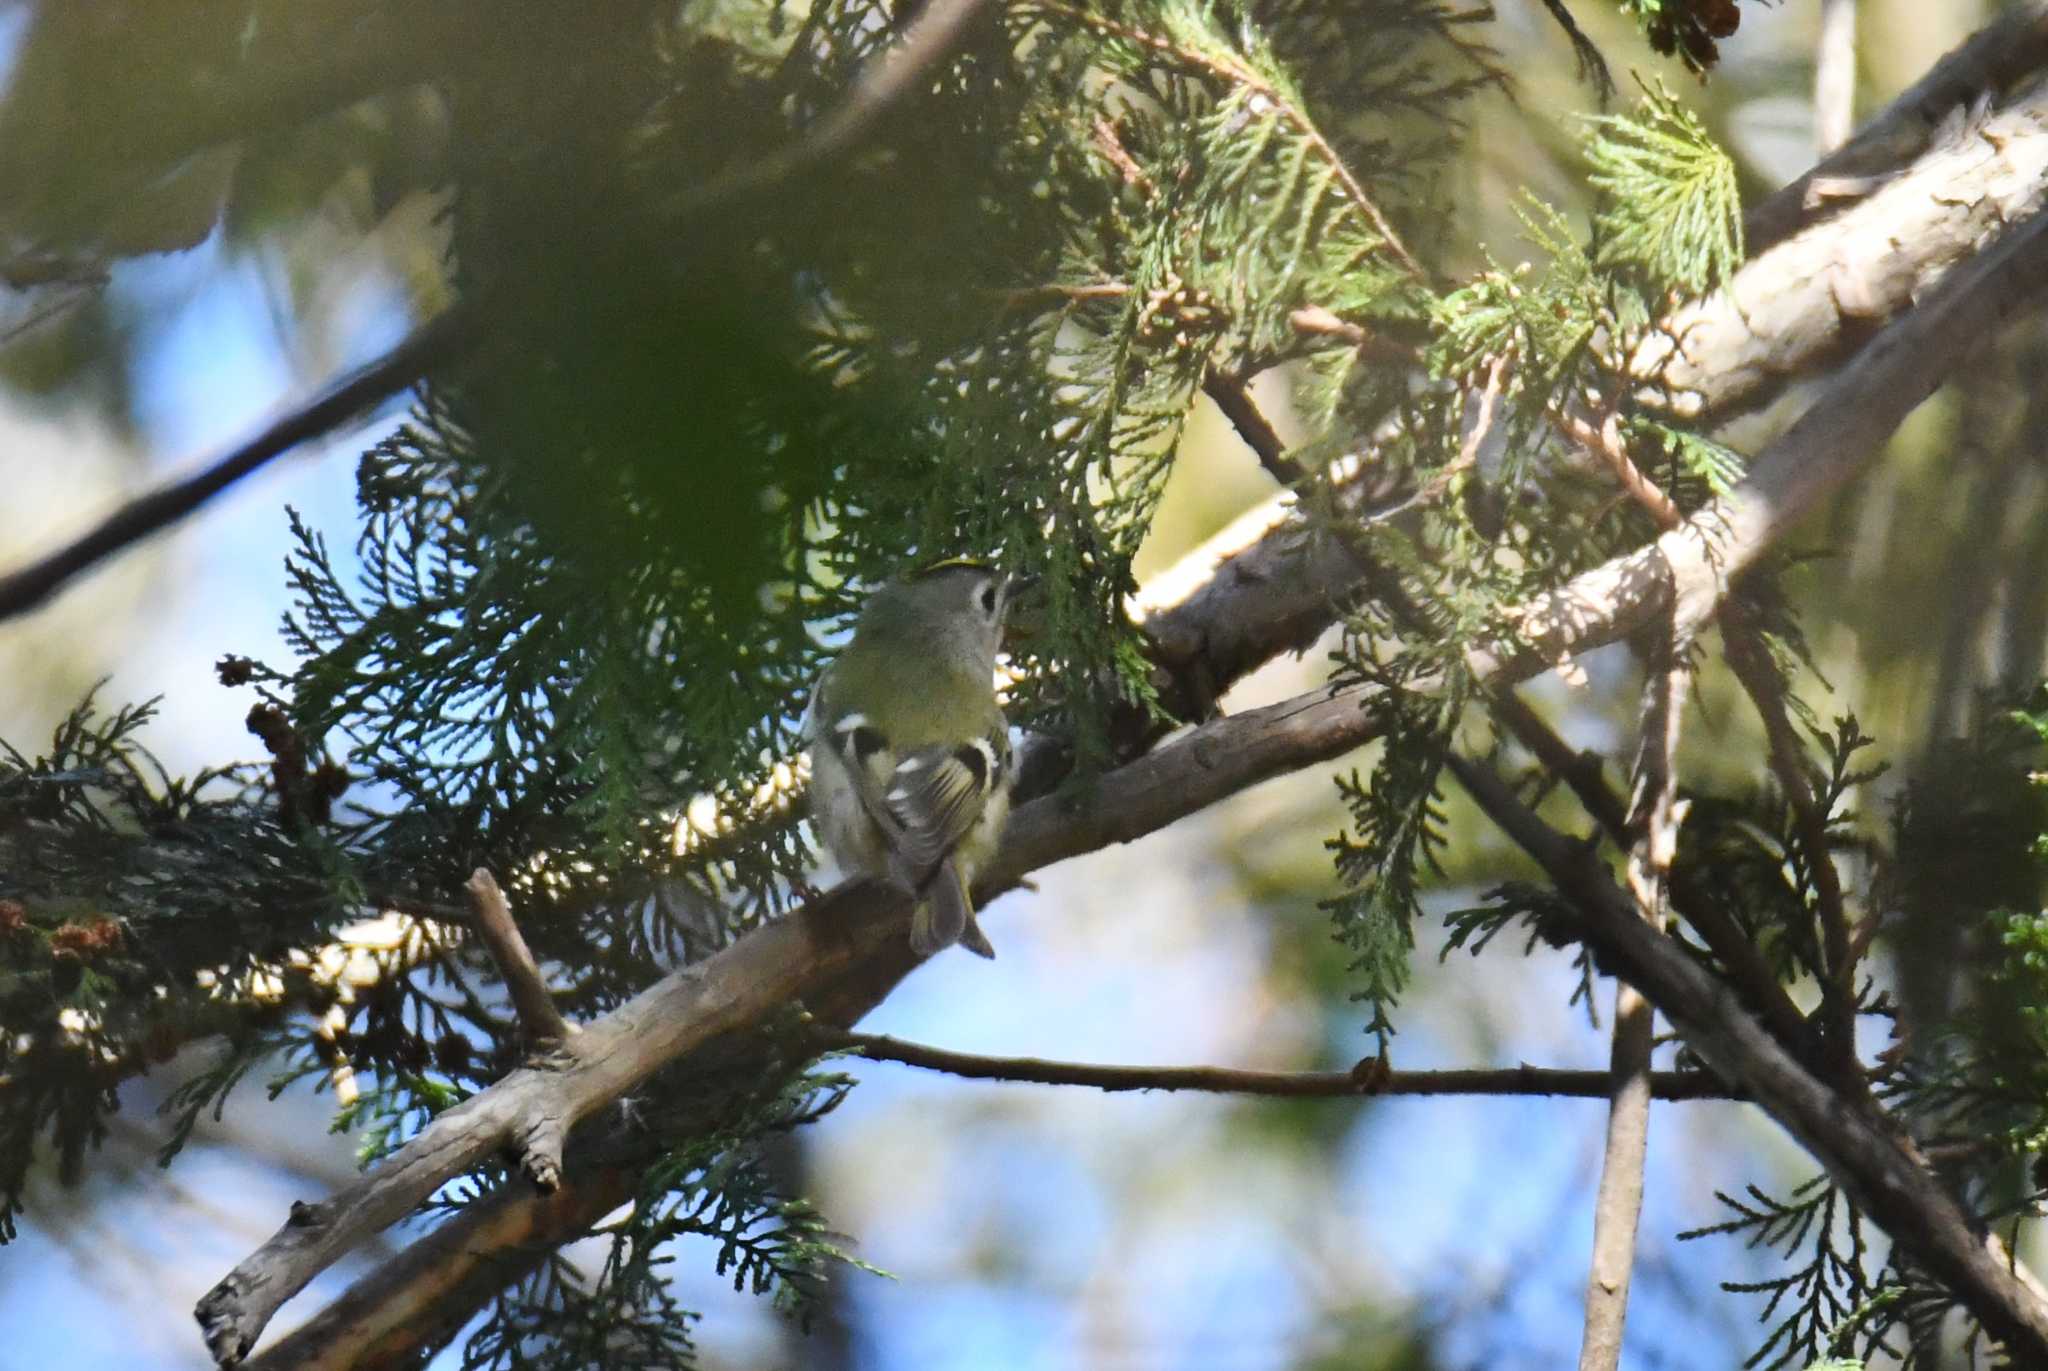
<point x="1845" y="427"/>
<point x="425" y="1294"/>
<point x="417" y="1297"/>
<point x="1852" y="1141"/>
<point x="25" y="588"/>
<point x="1361" y="1080"/>
<point x="1816" y="287"/>
<point x="1810" y="301"/>
<point x="2009" y="49"/>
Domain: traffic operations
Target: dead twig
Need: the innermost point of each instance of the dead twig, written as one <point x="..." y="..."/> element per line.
<point x="1603" y="442"/>
<point x="1236" y="403"/>
<point x="491" y="918"/>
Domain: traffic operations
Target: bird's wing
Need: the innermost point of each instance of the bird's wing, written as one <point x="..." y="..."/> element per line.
<point x="924" y="801"/>
<point x="935" y="794"/>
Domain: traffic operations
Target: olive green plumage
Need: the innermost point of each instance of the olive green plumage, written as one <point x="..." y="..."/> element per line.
<point x="910" y="753"/>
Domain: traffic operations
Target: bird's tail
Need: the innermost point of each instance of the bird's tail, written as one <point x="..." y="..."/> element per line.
<point x="946" y="916"/>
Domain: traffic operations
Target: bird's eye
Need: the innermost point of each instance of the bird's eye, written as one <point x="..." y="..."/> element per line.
<point x="988" y="599"/>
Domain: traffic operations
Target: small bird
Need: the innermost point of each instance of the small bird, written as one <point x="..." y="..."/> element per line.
<point x="910" y="754"/>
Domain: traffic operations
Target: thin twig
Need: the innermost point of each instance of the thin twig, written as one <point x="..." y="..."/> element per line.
<point x="1834" y="76"/>
<point x="1618" y="1208"/>
<point x="1580" y="771"/>
<point x="1482" y="423"/>
<point x="25" y="588"/>
<point x="491" y="917"/>
<point x="1743" y="645"/>
<point x="1055" y="293"/>
<point x="1440" y="480"/>
<point x="1603" y="441"/>
<point x="1236" y="403"/>
<point x="1110" y="143"/>
<point x="1314" y="321"/>
<point x="1475" y="436"/>
<point x="1365" y="1079"/>
<point x="1733" y="948"/>
<point x="931" y="38"/>
<point x="1592" y="67"/>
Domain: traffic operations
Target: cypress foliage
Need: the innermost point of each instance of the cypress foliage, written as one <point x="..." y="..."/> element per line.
<point x="604" y="559"/>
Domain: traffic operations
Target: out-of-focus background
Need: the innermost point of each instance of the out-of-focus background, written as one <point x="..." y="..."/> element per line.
<point x="1027" y="1227"/>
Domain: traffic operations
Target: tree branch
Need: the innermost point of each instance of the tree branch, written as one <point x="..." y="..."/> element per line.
<point x="26" y="587"/>
<point x="1653" y="825"/>
<point x="1687" y="568"/>
<point x="1744" y="965"/>
<point x="1723" y="937"/>
<point x="1853" y="1141"/>
<point x="1618" y="1204"/>
<point x="1313" y="321"/>
<point x="422" y="1294"/>
<point x="1229" y="395"/>
<point x="1363" y="1080"/>
<point x="1816" y="297"/>
<point x="1750" y="660"/>
<point x="1834" y="76"/>
<point x="425" y="1294"/>
<point x="931" y="38"/>
<point x="491" y="917"/>
<point x="1603" y="442"/>
<point x="1769" y="324"/>
<point x="2005" y="52"/>
<point x="1845" y="427"/>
